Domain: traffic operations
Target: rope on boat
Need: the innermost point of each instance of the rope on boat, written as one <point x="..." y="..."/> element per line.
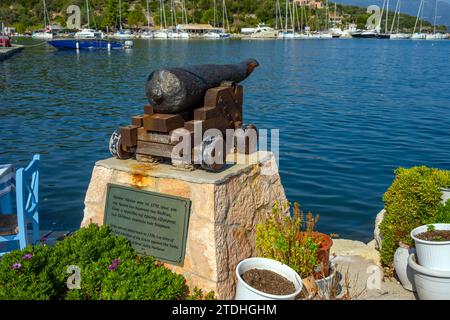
<point x="33" y="45"/>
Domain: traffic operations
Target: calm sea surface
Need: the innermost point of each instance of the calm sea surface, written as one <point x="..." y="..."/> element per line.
<point x="349" y="113"/>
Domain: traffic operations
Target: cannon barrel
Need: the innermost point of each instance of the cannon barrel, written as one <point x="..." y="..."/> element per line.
<point x="173" y="90"/>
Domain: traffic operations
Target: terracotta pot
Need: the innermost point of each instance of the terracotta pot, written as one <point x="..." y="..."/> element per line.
<point x="323" y="253"/>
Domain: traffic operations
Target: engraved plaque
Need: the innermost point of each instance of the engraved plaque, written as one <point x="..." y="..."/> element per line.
<point x="156" y="224"/>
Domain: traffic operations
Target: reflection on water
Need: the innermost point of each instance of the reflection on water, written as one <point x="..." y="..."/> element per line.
<point x="349" y="112"/>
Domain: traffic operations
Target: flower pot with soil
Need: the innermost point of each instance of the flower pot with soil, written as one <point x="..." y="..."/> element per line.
<point x="433" y="246"/>
<point x="324" y="242"/>
<point x="266" y="279"/>
<point x="402" y="269"/>
<point x="430" y="284"/>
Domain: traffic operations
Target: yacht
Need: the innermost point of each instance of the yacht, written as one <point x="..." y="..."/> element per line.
<point x="217" y="34"/>
<point x="400" y="36"/>
<point x="147" y="35"/>
<point x="46" y="34"/>
<point x="161" y="34"/>
<point x="124" y="34"/>
<point x="286" y="35"/>
<point x="336" y="32"/>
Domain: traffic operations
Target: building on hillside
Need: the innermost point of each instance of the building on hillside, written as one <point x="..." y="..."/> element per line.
<point x="335" y="19"/>
<point x="314" y="4"/>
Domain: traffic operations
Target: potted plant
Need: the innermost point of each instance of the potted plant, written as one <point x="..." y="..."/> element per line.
<point x="402" y="269"/>
<point x="287" y="237"/>
<point x="266" y="279"/>
<point x="416" y="197"/>
<point x="433" y="245"/>
<point x="430" y="284"/>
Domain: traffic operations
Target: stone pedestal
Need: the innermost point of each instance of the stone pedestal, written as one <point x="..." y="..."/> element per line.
<point x="226" y="207"/>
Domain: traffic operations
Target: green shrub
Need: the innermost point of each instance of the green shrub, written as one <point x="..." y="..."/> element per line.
<point x="277" y="239"/>
<point x="24" y="274"/>
<point x="110" y="270"/>
<point x="84" y="247"/>
<point x="412" y="200"/>
<point x="132" y="279"/>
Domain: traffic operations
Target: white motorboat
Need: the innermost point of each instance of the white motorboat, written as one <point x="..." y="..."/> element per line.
<point x="264" y="32"/>
<point x="124" y="34"/>
<point x="217" y="34"/>
<point x="47" y="35"/>
<point x="146" y="35"/>
<point x="325" y="35"/>
<point x="336" y="32"/>
<point x="161" y="34"/>
<point x="286" y="35"/>
<point x="400" y="36"/>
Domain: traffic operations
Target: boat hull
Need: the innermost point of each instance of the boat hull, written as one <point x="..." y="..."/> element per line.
<point x="85" y="44"/>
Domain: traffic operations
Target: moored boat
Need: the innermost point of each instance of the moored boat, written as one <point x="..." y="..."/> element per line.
<point x="86" y="44"/>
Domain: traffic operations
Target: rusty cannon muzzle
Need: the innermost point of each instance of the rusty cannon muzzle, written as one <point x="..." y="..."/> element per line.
<point x="174" y="90"/>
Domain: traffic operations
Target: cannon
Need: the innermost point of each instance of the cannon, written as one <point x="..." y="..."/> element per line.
<point x="184" y="104"/>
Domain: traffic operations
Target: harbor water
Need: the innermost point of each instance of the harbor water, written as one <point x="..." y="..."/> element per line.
<point x="349" y="112"/>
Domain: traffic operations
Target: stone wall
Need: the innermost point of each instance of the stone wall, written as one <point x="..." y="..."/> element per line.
<point x="226" y="207"/>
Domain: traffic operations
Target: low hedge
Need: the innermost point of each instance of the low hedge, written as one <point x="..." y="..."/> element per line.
<point x="110" y="269"/>
<point x="412" y="200"/>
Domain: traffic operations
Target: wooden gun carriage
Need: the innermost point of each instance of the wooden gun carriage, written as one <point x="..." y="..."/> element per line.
<point x="152" y="137"/>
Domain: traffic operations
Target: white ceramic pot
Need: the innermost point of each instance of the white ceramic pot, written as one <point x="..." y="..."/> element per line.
<point x="404" y="272"/>
<point x="246" y="292"/>
<point x="445" y="195"/>
<point x="430" y="284"/>
<point x="432" y="254"/>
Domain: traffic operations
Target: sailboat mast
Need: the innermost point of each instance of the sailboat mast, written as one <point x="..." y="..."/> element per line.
<point x="395" y="14"/>
<point x="435" y="16"/>
<point x="148" y="16"/>
<point x="387" y="17"/>
<point x="223" y="14"/>
<point x="45" y="16"/>
<point x="418" y="14"/>
<point x="215" y="13"/>
<point x="87" y="12"/>
<point x="398" y="18"/>
<point x="287" y="11"/>
<point x="120" y="14"/>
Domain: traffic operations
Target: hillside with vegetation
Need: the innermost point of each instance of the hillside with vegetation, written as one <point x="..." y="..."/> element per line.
<point x="28" y="15"/>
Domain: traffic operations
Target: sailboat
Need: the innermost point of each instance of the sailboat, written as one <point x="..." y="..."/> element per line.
<point x="286" y="33"/>
<point x="398" y="35"/>
<point x="336" y="32"/>
<point x="185" y="21"/>
<point x="219" y="33"/>
<point x="327" y="34"/>
<point x="162" y="33"/>
<point x="434" y="35"/>
<point x="47" y="32"/>
<point x="419" y="35"/>
<point x="87" y="39"/>
<point x="121" y="33"/>
<point x="174" y="32"/>
<point x="147" y="34"/>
